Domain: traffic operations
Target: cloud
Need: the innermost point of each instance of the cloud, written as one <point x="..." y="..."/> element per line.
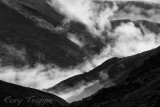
<point x="154" y="1"/>
<point x="127" y="40"/>
<point x="130" y="40"/>
<point x="74" y="39"/>
<point x="76" y="90"/>
<point x="94" y="16"/>
<point x="93" y="13"/>
<point x="134" y="13"/>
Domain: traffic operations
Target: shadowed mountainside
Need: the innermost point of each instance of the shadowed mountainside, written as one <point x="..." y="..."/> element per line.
<point x="138" y="86"/>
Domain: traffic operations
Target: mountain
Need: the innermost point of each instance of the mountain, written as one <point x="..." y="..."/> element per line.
<point x="93" y="81"/>
<point x="34" y="32"/>
<point x="137" y="84"/>
<point x="17" y="96"/>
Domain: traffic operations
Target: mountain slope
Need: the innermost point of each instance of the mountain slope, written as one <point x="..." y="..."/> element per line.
<point x="23" y="33"/>
<point x="138" y="86"/>
<point x="10" y="94"/>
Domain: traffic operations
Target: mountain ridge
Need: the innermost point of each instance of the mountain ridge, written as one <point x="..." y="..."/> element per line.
<point x="115" y="69"/>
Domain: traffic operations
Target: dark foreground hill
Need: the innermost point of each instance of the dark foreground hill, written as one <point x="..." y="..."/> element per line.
<point x="17" y="96"/>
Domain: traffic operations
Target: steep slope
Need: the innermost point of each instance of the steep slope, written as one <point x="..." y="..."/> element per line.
<point x="138" y="86"/>
<point x="17" y="96"/>
<point x="38" y="29"/>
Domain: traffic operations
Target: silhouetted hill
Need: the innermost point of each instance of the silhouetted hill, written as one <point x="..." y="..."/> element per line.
<point x="10" y="94"/>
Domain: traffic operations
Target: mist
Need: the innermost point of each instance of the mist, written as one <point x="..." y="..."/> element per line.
<point x="39" y="77"/>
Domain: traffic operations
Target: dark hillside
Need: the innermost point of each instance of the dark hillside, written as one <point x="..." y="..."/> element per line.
<point x="10" y="94"/>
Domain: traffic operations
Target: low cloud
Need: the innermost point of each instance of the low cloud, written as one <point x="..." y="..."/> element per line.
<point x="76" y="90"/>
<point x="39" y="77"/>
<point x="130" y="40"/>
<point x="74" y="39"/>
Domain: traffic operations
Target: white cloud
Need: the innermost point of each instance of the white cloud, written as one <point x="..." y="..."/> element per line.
<point x="74" y="91"/>
<point x="130" y="40"/>
<point x="74" y="39"/>
<point x="93" y="15"/>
